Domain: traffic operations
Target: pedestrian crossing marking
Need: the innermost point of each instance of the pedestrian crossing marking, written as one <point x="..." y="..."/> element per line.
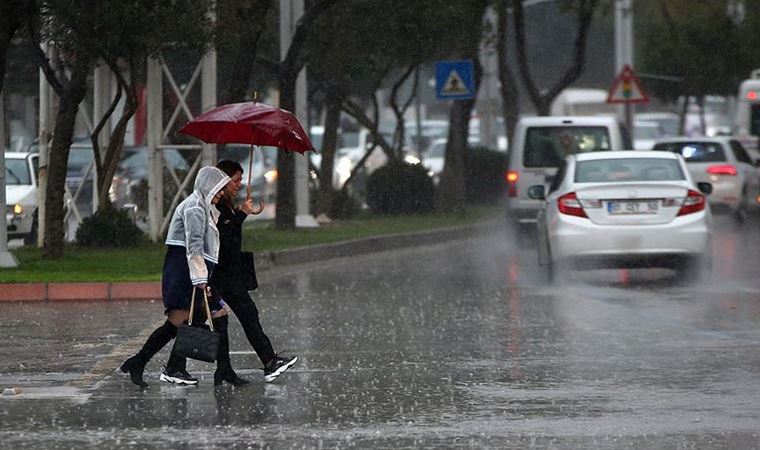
<point x="454" y="85"/>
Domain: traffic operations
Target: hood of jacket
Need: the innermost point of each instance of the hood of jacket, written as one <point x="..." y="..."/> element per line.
<point x="208" y="183"/>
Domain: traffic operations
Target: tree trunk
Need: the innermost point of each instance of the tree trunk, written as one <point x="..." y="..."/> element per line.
<point x="329" y="145"/>
<point x="451" y="190"/>
<point x="542" y="98"/>
<point x="59" y="156"/>
<point x="116" y="147"/>
<point x="682" y="115"/>
<point x="107" y="164"/>
<point x="510" y="106"/>
<point x="285" y="211"/>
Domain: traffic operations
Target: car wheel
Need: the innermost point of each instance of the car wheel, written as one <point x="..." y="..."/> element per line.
<point x="549" y="272"/>
<point x="525" y="235"/>
<point x="545" y="263"/>
<point x="740" y="215"/>
<point x="515" y="232"/>
<point x="693" y="270"/>
<point x="31" y="238"/>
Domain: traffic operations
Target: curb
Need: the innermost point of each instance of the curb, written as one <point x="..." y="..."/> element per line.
<point x="106" y="291"/>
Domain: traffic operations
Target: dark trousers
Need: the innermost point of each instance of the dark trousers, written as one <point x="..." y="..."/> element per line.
<point x="245" y="310"/>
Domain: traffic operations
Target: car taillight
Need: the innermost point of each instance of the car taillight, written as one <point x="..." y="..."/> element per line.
<point x="570" y="205"/>
<point x="694" y="202"/>
<point x="512" y="177"/>
<point x="722" y="169"/>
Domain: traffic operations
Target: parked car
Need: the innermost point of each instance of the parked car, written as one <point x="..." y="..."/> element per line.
<point x="434" y="158"/>
<point x="540" y="146"/>
<point x="725" y="163"/>
<point x="624" y="209"/>
<point x="21" y="195"/>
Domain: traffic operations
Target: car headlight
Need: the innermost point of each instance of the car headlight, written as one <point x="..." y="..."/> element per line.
<point x="271" y="176"/>
<point x="16" y="209"/>
<point x="411" y="159"/>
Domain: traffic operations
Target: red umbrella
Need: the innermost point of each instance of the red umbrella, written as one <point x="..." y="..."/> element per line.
<point x="250" y="123"/>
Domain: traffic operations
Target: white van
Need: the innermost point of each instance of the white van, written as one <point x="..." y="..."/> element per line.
<point x="541" y="144"/>
<point x="582" y="102"/>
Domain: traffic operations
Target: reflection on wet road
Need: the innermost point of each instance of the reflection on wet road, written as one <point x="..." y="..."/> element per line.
<point x="455" y="345"/>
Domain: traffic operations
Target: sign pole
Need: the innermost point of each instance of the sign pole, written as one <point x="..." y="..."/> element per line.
<point x="624" y="48"/>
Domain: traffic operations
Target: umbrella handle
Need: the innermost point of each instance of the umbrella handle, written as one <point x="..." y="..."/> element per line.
<point x="248" y="189"/>
<point x="250" y="173"/>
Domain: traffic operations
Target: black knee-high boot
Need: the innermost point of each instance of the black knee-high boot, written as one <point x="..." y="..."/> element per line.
<point x="224" y="371"/>
<point x="156" y="341"/>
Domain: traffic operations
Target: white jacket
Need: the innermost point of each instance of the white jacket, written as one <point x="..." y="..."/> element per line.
<point x="193" y="223"/>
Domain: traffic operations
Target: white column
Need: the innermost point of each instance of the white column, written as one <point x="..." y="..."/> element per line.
<point x="208" y="95"/>
<point x="100" y="104"/>
<point x="624" y="51"/>
<point x="44" y="133"/>
<point x="6" y="258"/>
<point x="154" y="133"/>
<point x="290" y="12"/>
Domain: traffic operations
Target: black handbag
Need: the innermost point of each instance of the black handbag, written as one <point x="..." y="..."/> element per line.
<point x="199" y="342"/>
<point x="248" y="271"/>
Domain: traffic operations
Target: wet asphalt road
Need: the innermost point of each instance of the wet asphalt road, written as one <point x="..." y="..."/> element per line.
<point x="454" y="345"/>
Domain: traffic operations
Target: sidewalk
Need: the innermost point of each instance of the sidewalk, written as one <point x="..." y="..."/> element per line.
<point x="103" y="291"/>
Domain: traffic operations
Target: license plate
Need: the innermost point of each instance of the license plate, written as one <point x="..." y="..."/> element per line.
<point x="623" y="207"/>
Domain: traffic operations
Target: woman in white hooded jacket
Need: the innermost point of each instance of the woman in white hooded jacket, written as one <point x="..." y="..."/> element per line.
<point x="192" y="252"/>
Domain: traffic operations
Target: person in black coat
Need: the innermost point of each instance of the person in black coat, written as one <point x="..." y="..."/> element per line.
<point x="232" y="280"/>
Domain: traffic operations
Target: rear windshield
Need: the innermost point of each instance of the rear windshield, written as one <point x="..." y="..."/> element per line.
<point x="628" y="169"/>
<point x="548" y="146"/>
<point x="695" y="151"/>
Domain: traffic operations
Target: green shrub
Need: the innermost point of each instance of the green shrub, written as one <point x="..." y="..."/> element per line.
<point x="484" y="175"/>
<point x="109" y="227"/>
<point x="400" y="188"/>
<point x="344" y="206"/>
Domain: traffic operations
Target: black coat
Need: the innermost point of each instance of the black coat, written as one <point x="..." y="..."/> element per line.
<point x="227" y="274"/>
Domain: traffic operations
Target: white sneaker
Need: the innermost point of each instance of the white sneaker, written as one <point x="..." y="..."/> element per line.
<point x="281" y="364"/>
<point x="180" y="377"/>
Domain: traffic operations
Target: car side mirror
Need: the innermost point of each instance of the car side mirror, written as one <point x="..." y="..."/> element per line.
<point x="538" y="192"/>
<point x="705" y="188"/>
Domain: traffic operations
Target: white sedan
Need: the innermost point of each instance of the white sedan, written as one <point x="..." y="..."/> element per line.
<point x="725" y="163"/>
<point x="624" y="209"/>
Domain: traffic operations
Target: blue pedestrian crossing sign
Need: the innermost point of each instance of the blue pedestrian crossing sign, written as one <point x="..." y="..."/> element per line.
<point x="454" y="80"/>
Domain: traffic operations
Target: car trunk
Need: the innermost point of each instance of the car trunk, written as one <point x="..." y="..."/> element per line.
<point x="632" y="203"/>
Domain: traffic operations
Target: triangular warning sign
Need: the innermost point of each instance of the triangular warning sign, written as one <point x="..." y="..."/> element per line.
<point x="627" y="88"/>
<point x="454" y="85"/>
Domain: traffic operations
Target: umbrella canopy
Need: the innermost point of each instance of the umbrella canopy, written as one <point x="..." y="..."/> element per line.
<point x="250" y="123"/>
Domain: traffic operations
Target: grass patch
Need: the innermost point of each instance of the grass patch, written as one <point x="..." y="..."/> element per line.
<point x="144" y="263"/>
